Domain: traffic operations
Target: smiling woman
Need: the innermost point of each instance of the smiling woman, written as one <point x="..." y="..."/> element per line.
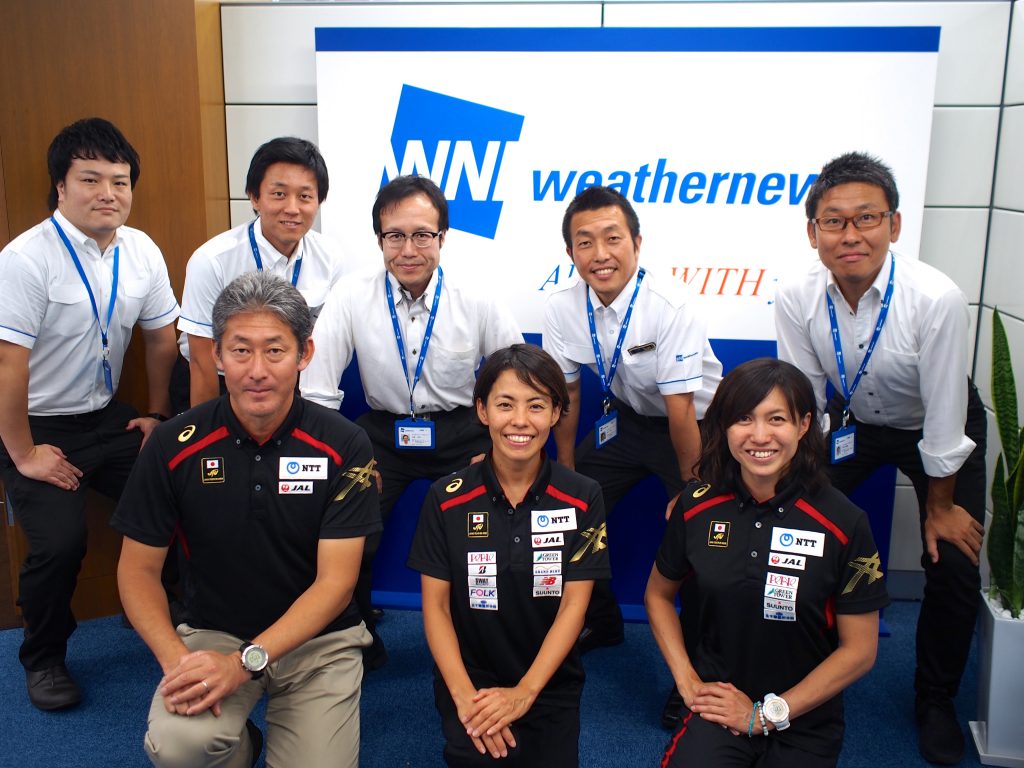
<point x="781" y="560"/>
<point x="505" y="589"/>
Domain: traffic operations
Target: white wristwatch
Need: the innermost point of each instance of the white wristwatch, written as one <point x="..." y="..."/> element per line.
<point x="776" y="711"/>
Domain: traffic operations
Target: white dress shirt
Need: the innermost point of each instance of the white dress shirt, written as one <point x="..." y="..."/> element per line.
<point x="356" y="319"/>
<point x="917" y="375"/>
<point x="681" y="361"/>
<point x="46" y="308"/>
<point x="223" y="258"/>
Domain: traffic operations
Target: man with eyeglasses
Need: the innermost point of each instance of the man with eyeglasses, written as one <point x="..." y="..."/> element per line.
<point x="420" y="337"/>
<point x="890" y="334"/>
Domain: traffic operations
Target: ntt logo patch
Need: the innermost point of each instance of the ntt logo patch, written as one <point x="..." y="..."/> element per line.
<point x="460" y="145"/>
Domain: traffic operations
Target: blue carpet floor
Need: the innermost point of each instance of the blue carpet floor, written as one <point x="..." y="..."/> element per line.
<point x="622" y="702"/>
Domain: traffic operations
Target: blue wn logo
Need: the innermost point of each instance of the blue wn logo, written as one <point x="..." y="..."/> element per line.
<point x="458" y="144"/>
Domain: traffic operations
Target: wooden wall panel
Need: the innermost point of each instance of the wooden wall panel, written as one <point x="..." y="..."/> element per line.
<point x="140" y="65"/>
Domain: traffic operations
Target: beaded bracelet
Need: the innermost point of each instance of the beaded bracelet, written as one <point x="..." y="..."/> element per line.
<point x="764" y="725"/>
<point x="753" y="717"/>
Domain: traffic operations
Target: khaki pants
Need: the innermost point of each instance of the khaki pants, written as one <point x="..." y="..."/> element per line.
<point x="312" y="709"/>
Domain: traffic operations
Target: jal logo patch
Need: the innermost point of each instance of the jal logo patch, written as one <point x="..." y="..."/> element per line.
<point x="548" y="540"/>
<point x="543" y="521"/>
<point x="297" y="487"/>
<point x="302" y="468"/>
<point x="213" y="470"/>
<point x="476" y="525"/>
<point x="780" y="560"/>
<point x="718" y="534"/>
<point x="791" y="540"/>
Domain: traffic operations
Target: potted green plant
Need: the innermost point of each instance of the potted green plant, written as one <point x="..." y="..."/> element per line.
<point x="999" y="732"/>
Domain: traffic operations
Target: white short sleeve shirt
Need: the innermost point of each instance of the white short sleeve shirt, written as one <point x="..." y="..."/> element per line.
<point x="46" y="308"/>
<point x="665" y="352"/>
<point x="228" y="255"/>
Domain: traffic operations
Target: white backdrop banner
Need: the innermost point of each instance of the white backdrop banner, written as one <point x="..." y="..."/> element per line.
<point x="714" y="134"/>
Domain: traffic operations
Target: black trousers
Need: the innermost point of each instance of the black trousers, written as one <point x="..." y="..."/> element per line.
<point x="546" y="737"/>
<point x="54" y="520"/>
<point x="698" y="743"/>
<point x="953" y="584"/>
<point x="458" y="437"/>
<point x="643" y="448"/>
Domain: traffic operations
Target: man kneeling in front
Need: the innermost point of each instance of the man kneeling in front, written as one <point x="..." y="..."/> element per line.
<point x="272" y="498"/>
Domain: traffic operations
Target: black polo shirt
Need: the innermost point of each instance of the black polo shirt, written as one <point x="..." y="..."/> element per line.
<point x="770" y="579"/>
<point x="507" y="566"/>
<point x="250" y="516"/>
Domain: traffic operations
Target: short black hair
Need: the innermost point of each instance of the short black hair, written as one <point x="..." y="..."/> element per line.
<point x="287" y="149"/>
<point x="88" y="139"/>
<point x="401" y="187"/>
<point x="532" y="365"/>
<point x="738" y="394"/>
<point x="853" y="168"/>
<point x="593" y="198"/>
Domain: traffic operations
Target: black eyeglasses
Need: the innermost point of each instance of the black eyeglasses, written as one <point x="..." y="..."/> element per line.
<point x="397" y="240"/>
<point x="862" y="221"/>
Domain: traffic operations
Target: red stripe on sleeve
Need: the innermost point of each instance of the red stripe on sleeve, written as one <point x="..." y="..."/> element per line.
<point x="562" y="496"/>
<point x="714" y="501"/>
<point x="463" y="498"/>
<point x="803" y="505"/>
<point x="310" y="440"/>
<point x="218" y="434"/>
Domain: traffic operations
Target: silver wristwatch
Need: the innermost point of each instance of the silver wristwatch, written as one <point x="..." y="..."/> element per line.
<point x="254" y="658"/>
<point x="776" y="711"/>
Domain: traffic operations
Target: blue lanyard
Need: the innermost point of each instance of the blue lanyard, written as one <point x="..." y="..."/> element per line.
<point x="886" y="300"/>
<point x="426" y="334"/>
<point x="607" y="378"/>
<point x="107" y="376"/>
<point x="259" y="261"/>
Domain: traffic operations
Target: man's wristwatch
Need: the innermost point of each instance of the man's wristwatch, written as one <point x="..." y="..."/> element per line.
<point x="776" y="711"/>
<point x="254" y="658"/>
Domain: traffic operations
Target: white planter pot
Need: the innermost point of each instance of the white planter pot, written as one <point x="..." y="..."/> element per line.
<point x="999" y="731"/>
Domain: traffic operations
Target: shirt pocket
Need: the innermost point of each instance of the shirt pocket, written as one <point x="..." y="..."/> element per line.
<point x="69" y="313"/>
<point x="453" y="368"/>
<point x="131" y="303"/>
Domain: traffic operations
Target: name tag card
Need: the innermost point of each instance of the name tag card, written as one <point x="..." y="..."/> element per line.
<point x="414" y="434"/>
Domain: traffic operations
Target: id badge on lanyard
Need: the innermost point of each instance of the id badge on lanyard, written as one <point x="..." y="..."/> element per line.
<point x="843" y="441"/>
<point x="413" y="433"/>
<point x="606" y="428"/>
<point x="108" y="375"/>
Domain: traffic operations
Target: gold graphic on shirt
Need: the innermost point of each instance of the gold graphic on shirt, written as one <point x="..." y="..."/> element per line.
<point x="476" y="525"/>
<point x="596" y="540"/>
<point x="454" y="485"/>
<point x="718" y="534"/>
<point x="702" y="490"/>
<point x="186" y="433"/>
<point x="864" y="566"/>
<point x="364" y="477"/>
<point x="213" y="470"/>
